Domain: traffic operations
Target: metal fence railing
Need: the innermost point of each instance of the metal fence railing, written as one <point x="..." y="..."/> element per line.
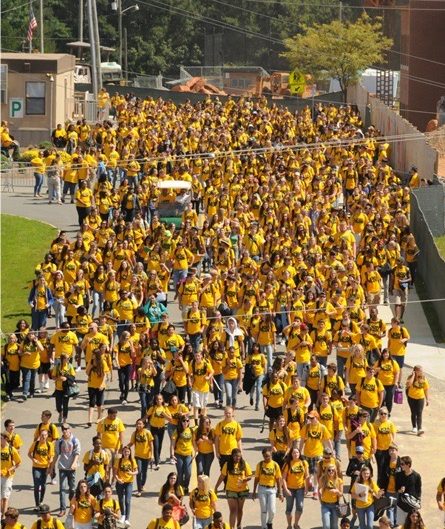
<point x="16" y="176"/>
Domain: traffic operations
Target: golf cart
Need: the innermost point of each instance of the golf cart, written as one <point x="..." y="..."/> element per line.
<point x="174" y="197"/>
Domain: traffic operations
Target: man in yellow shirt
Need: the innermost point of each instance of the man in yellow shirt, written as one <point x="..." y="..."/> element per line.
<point x="111" y="431"/>
<point x="228" y="435"/>
<point x="63" y="341"/>
<point x="370" y="393"/>
<point x="269" y="482"/>
<point x="41" y="453"/>
<point x="201" y="373"/>
<point x="166" y="521"/>
<point x="39" y="171"/>
<point x="10" y="461"/>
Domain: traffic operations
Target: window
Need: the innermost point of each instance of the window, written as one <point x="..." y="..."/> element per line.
<point x="35" y="98"/>
<point x="3" y="83"/>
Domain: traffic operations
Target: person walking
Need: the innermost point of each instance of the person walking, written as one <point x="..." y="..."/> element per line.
<point x="204" y="443"/>
<point x="409" y="487"/>
<point x="46" y="520"/>
<point x="365" y="490"/>
<point x="29" y="353"/>
<point x="66" y="459"/>
<point x="124" y="470"/>
<point x="142" y="439"/>
<point x="269" y="482"/>
<point x="64" y="375"/>
<point x="202" y="503"/>
<point x="236" y="474"/>
<point x="83" y="507"/>
<point x="295" y="479"/>
<point x="182" y="441"/>
<point x="330" y="491"/>
<point x="418" y="396"/>
<point x="41" y="453"/>
<point x="157" y="416"/>
<point x="228" y="435"/>
<point x="11" y="460"/>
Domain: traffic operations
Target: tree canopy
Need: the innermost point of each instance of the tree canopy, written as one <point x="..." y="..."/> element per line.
<point x="341" y="50"/>
<point x="164" y="34"/>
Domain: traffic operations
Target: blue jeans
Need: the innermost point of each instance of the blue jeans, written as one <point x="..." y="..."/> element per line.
<point x="98" y="301"/>
<point x="38" y="319"/>
<point x="391" y="513"/>
<point x="329" y="516"/>
<point x="28" y="380"/>
<point x="341" y="363"/>
<point x="201" y="523"/>
<point x="297" y="496"/>
<point x="195" y="340"/>
<point x="231" y="387"/>
<point x="67" y="478"/>
<point x="302" y="371"/>
<point x="39" y="479"/>
<point x="267" y="351"/>
<point x="218" y="390"/>
<point x="184" y="470"/>
<point x="257" y="388"/>
<point x="141" y="478"/>
<point x="204" y="463"/>
<point x="366" y="517"/>
<point x="400" y="359"/>
<point x="146" y="400"/>
<point x="59" y="312"/>
<point x="38" y="179"/>
<point x="124" y="492"/>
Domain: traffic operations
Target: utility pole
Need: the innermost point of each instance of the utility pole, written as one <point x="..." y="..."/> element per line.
<point x="81" y="21"/>
<point x="340" y="11"/>
<point x="119" y="28"/>
<point x="42" y="44"/>
<point x="126" y="56"/>
<point x="92" y="47"/>
<point x="97" y="45"/>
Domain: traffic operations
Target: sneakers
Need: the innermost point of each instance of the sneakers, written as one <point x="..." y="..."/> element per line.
<point x="78" y="368"/>
<point x="127" y="523"/>
<point x="251" y="401"/>
<point x="38" y="390"/>
<point x="54" y="481"/>
<point x="124" y="402"/>
<point x="414" y="430"/>
<point x="172" y="461"/>
<point x="122" y="520"/>
<point x="46" y="385"/>
<point x="420" y="432"/>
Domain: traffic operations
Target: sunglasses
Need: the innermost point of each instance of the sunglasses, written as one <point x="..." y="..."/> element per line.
<point x="331" y="470"/>
<point x="383" y="413"/>
<point x="185" y="420"/>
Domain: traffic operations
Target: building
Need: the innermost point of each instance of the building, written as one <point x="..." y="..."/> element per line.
<point x="422" y="69"/>
<point x="37" y="92"/>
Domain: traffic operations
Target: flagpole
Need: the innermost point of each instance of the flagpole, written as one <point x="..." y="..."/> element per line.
<point x="30" y="40"/>
<point x="42" y="46"/>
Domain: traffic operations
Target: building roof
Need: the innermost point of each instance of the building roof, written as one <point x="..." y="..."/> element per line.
<point x="39" y="62"/>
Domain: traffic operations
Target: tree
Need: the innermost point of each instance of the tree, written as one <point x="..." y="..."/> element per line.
<point x="342" y="50"/>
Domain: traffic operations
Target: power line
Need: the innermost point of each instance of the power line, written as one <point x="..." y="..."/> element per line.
<point x="16" y="7"/>
<point x="362" y="8"/>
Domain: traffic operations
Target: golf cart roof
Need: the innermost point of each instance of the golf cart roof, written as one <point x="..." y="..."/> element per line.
<point x="174" y="184"/>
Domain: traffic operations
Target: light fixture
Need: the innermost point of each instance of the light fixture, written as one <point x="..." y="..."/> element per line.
<point x="114" y="5"/>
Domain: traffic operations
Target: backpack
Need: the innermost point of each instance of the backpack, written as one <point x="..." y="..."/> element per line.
<point x="52" y="430"/>
<point x="337" y="381"/>
<point x="36" y="444"/>
<point x="109" y="522"/>
<point x="56" y="523"/>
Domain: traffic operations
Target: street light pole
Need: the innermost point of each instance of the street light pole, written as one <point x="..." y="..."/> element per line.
<point x="119" y="22"/>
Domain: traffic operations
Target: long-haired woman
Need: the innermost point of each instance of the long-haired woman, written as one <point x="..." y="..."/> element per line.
<point x="83" y="506"/>
<point x="236" y="474"/>
<point x="295" y="476"/>
<point x="124" y="470"/>
<point x="96" y="371"/>
<point x="330" y="490"/>
<point x="204" y="443"/>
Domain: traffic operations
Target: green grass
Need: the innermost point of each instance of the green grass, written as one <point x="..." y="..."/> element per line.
<point x="440" y="242"/>
<point x="23" y="244"/>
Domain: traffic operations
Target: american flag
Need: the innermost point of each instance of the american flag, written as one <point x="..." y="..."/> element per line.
<point x="32" y="24"/>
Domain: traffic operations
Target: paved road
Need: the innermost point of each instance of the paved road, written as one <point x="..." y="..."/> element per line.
<point x="426" y="452"/>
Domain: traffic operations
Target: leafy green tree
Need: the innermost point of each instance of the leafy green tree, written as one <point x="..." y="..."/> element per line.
<point x="341" y="50"/>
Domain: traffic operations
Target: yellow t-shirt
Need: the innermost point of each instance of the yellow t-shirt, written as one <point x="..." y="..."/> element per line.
<point x="235" y="478"/>
<point x="313" y="436"/>
<point x="124" y="467"/>
<point x="369" y="392"/>
<point x="110" y="430"/>
<point x="99" y="460"/>
<point x="160" y="523"/>
<point x="296" y="474"/>
<point x="9" y="458"/>
<point x="275" y="393"/>
<point x="268" y="473"/>
<point x="84" y="508"/>
<point x="417" y="389"/>
<point x="366" y="502"/>
<point x="202" y="503"/>
<point x="327" y="496"/>
<point x="142" y="440"/>
<point x="228" y="433"/>
<point x="200" y="371"/>
<point x="64" y="342"/>
<point x="183" y="443"/>
<point x="385" y="431"/>
<point x="388" y="370"/>
<point x="12" y="356"/>
<point x="156" y="414"/>
<point x="42" y="452"/>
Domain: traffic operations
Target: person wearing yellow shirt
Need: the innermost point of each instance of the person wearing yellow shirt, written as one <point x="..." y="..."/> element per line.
<point x="274" y="392"/>
<point x="418" y="396"/>
<point x="362" y="433"/>
<point x="388" y="372"/>
<point x="64" y="341"/>
<point x="183" y="451"/>
<point x="178" y="369"/>
<point x="182" y="258"/>
<point x="13" y="438"/>
<point x="232" y="368"/>
<point x="370" y="393"/>
<point x="402" y="280"/>
<point x="228" y="435"/>
<point x="202" y="503"/>
<point x="266" y="338"/>
<point x="142" y="439"/>
<point x="385" y="431"/>
<point x="10" y="355"/>
<point x="97" y="460"/>
<point x="10" y="461"/>
<point x="111" y="431"/>
<point x="322" y="342"/>
<point x="41" y="453"/>
<point x="29" y="353"/>
<point x="355" y="366"/>
<point x="398" y="337"/>
<point x="330" y="491"/>
<point x="84" y="200"/>
<point x="295" y="476"/>
<point x="158" y="415"/>
<point x="46" y="521"/>
<point x="298" y="392"/>
<point x="124" y="470"/>
<point x="204" y="444"/>
<point x="201" y="373"/>
<point x="269" y="481"/>
<point x="166" y="521"/>
<point x="124" y="353"/>
<point x="236" y="474"/>
<point x="61" y="374"/>
<point x="10" y="520"/>
<point x="364" y="491"/>
<point x="258" y="365"/>
<point x="38" y="164"/>
<point x="126" y="307"/>
<point x="314" y="436"/>
<point x="195" y="324"/>
<point x="83" y="505"/>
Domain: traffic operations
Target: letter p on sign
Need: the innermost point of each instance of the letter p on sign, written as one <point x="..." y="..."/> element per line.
<point x="16" y="107"/>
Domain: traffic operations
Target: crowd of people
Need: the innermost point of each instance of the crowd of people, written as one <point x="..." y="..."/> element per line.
<point x="297" y="230"/>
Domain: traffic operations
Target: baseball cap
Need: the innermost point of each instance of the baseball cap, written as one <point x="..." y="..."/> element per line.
<point x="359" y="450"/>
<point x="44" y="508"/>
<point x="313" y="413"/>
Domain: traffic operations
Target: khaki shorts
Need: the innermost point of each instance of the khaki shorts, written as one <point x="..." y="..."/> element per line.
<point x="401" y="296"/>
<point x="200" y="399"/>
<point x="6" y="487"/>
